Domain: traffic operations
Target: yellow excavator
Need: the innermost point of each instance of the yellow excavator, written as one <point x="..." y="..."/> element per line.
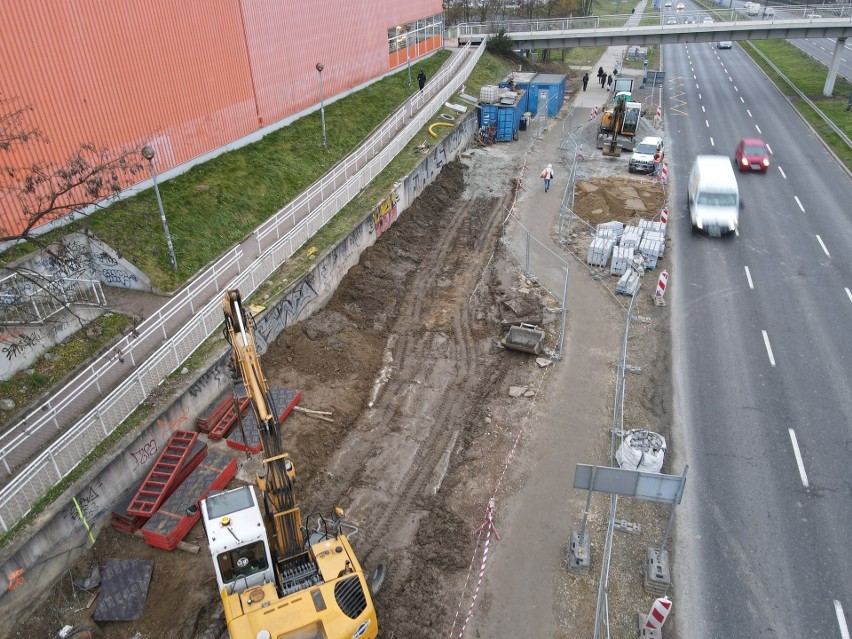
<point x="278" y="578"/>
<point x="619" y="123"/>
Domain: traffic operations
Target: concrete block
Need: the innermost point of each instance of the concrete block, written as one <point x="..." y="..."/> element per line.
<point x="658" y="579"/>
<point x="579" y="554"/>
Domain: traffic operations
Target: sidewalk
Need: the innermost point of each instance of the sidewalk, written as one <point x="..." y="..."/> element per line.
<point x="566" y="422"/>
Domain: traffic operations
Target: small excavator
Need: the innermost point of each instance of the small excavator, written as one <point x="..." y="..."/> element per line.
<point x="619" y="123"/>
<point x="277" y="578"/>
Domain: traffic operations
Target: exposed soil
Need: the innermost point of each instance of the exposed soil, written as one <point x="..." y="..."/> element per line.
<point x="407" y="357"/>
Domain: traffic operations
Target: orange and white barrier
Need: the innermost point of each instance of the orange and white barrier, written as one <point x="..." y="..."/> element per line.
<point x="593" y="114"/>
<point x="659" y="613"/>
<point x="661" y="289"/>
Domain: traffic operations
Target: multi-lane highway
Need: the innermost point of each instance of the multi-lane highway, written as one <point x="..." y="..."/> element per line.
<point x="763" y="367"/>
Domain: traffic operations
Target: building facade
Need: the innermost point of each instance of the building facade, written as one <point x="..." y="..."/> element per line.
<point x="189" y="76"/>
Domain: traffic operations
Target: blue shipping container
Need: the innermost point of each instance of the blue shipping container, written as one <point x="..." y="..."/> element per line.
<point x="506" y="118"/>
<point x="547" y="91"/>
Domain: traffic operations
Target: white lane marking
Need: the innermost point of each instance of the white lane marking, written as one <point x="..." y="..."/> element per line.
<point x="758" y="129"/>
<point x="801" y="208"/>
<point x="737" y="231"/>
<point x="768" y="348"/>
<point x="694" y="77"/>
<point x="730" y="79"/>
<point x="699" y="96"/>
<point x="703" y="110"/>
<point x="707" y="122"/>
<point x="784" y="175"/>
<point x="841" y="620"/>
<point x="848" y="294"/>
<point x="696" y="85"/>
<point x="741" y="100"/>
<point x="769" y="148"/>
<point x="749" y="113"/>
<point x="736" y="89"/>
<point x="712" y="143"/>
<point x="748" y="277"/>
<point x="825" y="250"/>
<point x="799" y="461"/>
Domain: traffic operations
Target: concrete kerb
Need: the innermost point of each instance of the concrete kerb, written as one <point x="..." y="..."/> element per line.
<point x="57" y="537"/>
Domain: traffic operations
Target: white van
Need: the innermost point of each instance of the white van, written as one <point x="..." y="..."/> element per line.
<point x="713" y="198"/>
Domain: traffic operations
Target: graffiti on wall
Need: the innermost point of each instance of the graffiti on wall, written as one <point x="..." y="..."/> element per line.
<point x="145" y="452"/>
<point x="444" y="152"/>
<point x="284" y="313"/>
<point x="385" y="214"/>
<point x="214" y="375"/>
<point x="90" y="499"/>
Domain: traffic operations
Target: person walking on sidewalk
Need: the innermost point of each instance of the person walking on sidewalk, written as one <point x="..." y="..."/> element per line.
<point x="609" y="83"/>
<point x="585" y="81"/>
<point x="601" y="77"/>
<point x="547" y="176"/>
<point x="421" y="79"/>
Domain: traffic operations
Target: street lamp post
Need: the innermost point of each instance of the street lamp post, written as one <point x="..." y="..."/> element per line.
<point x="148" y="153"/>
<point x="408" y="54"/>
<point x="320" y="67"/>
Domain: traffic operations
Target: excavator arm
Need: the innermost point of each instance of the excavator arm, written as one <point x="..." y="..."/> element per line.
<point x="277" y="483"/>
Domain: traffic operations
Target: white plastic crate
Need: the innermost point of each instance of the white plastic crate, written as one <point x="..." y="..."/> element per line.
<point x="489" y="94"/>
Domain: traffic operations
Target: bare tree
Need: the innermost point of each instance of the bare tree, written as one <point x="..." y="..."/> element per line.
<point x="42" y="192"/>
<point x="46" y="191"/>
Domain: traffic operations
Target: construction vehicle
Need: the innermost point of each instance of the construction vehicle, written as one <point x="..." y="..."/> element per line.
<point x="276" y="577"/>
<point x="619" y="123"/>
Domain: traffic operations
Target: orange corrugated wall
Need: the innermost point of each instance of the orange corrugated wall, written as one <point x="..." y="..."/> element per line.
<point x="184" y="75"/>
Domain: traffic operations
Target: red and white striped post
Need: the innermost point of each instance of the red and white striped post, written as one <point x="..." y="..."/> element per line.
<point x="664" y="215"/>
<point x="593" y="114"/>
<point x="659" y="613"/>
<point x="658" y="118"/>
<point x="664" y="173"/>
<point x="661" y="289"/>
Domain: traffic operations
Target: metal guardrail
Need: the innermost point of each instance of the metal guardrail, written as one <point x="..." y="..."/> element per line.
<point x="33" y="299"/>
<point x="810" y="14"/>
<point x="61" y="457"/>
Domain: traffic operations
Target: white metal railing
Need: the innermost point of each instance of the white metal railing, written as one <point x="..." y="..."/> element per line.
<point x="63" y="455"/>
<point x="35" y="298"/>
<point x="812" y="14"/>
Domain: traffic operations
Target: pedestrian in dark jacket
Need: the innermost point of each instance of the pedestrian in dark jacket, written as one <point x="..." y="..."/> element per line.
<point x="585" y="81"/>
<point x="609" y="83"/>
<point x="421" y="79"/>
<point x="601" y="76"/>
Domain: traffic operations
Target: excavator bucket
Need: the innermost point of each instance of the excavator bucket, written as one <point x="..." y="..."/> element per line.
<point x="611" y="151"/>
<point x="526" y="338"/>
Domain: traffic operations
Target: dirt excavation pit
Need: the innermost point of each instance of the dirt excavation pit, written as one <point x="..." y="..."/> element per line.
<point x="406" y="355"/>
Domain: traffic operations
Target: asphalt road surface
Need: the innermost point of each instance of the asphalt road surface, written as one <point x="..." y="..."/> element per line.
<point x="762" y="366"/>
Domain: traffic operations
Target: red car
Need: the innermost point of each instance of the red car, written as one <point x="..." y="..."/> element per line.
<point x="752" y="155"/>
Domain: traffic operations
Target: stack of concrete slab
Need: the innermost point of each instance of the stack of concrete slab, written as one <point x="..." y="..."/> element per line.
<point x="628" y="284"/>
<point x="631" y="237"/>
<point x="621" y="258"/>
<point x="652" y="226"/>
<point x="609" y="229"/>
<point x="599" y="251"/>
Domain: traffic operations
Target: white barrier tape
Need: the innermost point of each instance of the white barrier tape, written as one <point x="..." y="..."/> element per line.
<point x="488" y="524"/>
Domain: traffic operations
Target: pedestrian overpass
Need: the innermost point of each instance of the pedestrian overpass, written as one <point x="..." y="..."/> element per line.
<point x="633" y="29"/>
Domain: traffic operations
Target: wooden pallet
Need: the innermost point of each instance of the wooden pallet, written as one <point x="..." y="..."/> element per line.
<point x="224" y="423"/>
<point x="171" y="523"/>
<point x="163" y="475"/>
<point x="284" y="400"/>
<point x="126" y="523"/>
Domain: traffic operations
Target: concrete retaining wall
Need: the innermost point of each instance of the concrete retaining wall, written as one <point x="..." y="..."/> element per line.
<point x="30" y="564"/>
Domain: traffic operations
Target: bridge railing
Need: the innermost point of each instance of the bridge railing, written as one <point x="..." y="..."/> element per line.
<point x="810" y="14"/>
